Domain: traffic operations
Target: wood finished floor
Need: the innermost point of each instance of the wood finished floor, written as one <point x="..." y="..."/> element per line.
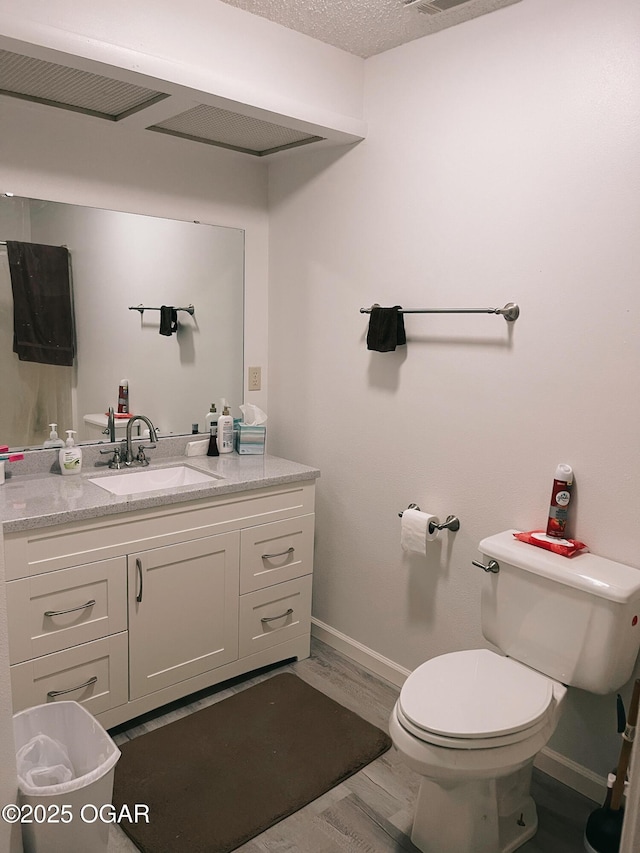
<point x="371" y="812"/>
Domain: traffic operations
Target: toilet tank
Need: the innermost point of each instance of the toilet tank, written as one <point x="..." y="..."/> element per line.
<point x="576" y="619"/>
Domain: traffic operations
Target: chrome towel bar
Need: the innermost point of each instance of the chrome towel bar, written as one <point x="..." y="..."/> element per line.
<point x="510" y="312"/>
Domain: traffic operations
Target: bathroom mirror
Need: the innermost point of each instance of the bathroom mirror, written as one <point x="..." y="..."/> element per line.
<point x="120" y="261"/>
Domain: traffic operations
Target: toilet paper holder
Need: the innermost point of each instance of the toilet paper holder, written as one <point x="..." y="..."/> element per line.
<point x="452" y="522"/>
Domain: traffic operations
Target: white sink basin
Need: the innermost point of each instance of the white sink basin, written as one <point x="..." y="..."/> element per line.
<point x="152" y="480"/>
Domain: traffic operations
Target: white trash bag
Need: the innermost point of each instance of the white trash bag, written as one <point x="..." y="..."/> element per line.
<point x="43" y="761"/>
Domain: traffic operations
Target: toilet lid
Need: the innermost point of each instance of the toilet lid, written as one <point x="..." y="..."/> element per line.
<point x="475" y="694"/>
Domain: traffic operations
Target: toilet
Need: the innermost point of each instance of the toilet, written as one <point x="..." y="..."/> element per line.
<point x="470" y="723"/>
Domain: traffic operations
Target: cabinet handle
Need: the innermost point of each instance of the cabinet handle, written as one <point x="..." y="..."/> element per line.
<point x="280" y="554"/>
<point x="71" y="609"/>
<point x="281" y="616"/>
<point x="53" y="693"/>
<point x="139" y="568"/>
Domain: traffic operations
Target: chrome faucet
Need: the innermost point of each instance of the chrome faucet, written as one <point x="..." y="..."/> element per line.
<point x="153" y="436"/>
<point x="111" y="425"/>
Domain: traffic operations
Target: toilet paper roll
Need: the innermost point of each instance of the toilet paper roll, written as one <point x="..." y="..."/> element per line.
<point x="415" y="533"/>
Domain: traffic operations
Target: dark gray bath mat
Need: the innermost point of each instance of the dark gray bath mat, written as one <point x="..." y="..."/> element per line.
<point x="219" y="777"/>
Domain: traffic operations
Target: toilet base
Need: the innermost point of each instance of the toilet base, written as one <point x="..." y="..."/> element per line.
<point x="475" y="816"/>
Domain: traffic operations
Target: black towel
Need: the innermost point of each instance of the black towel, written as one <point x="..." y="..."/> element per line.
<point x="386" y="329"/>
<point x="168" y="320"/>
<point x="42" y="305"/>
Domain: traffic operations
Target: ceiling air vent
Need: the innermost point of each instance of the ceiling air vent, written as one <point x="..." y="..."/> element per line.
<point x="238" y="132"/>
<point x="434" y="7"/>
<point x="70" y="89"/>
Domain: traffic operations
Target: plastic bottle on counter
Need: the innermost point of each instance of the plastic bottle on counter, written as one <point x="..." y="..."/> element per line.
<point x="225" y="430"/>
<point x="211" y="419"/>
<point x="54" y="440"/>
<point x="70" y="456"/>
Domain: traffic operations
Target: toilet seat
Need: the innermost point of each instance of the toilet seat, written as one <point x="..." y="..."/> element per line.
<point x="469" y="743"/>
<point x="475" y="699"/>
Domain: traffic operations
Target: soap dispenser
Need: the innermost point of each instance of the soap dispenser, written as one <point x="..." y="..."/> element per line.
<point x="70" y="456"/>
<point x="211" y="420"/>
<point x="53" y="440"/>
<point x="225" y="430"/>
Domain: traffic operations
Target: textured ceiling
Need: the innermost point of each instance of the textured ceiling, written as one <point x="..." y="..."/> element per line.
<point x="367" y="27"/>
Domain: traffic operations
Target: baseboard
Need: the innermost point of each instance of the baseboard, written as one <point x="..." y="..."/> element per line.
<point x="564" y="770"/>
<point x="574" y="775"/>
<point x="374" y="662"/>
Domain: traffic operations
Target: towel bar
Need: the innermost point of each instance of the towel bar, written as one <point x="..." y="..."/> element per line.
<point x="510" y="312"/>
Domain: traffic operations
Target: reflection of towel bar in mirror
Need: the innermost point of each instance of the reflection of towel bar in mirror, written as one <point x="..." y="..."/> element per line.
<point x="510" y="312"/>
<point x="143" y="308"/>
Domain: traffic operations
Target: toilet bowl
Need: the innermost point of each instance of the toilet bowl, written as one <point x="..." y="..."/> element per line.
<point x="470" y="724"/>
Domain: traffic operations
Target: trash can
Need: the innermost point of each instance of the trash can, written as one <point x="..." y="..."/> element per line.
<point x="66" y="763"/>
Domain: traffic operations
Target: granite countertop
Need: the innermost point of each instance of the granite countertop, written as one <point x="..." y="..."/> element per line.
<point x="46" y="498"/>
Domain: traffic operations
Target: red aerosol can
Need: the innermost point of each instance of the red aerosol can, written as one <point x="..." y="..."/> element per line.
<point x="560" y="498"/>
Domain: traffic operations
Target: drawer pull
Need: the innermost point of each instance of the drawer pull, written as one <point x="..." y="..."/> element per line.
<point x="281" y="616"/>
<point x="53" y="693"/>
<point x="280" y="554"/>
<point x="71" y="609"/>
<point x="139" y="568"/>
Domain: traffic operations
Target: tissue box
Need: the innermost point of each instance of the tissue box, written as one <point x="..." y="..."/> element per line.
<point x="250" y="439"/>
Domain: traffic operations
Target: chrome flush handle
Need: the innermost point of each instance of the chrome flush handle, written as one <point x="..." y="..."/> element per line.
<point x="492" y="566"/>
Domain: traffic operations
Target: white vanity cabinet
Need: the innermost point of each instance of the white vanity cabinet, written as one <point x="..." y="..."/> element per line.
<point x="127" y="612"/>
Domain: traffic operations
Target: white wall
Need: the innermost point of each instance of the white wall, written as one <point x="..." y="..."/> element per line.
<point x="501" y="165"/>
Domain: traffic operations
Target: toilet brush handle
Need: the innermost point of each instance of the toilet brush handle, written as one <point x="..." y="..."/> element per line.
<point x="625" y="752"/>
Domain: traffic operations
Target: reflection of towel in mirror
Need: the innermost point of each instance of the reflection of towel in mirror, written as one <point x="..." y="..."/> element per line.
<point x="42" y="305"/>
<point x="168" y="320"/>
<point x="386" y="329"/>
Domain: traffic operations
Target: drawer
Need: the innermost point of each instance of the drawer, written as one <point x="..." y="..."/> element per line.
<point x="70" y="675"/>
<point x="275" y="614"/>
<point x="61" y="546"/>
<point x="57" y="610"/>
<point x="276" y="552"/>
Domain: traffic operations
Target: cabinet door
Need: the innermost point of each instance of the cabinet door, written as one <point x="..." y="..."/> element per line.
<point x="183" y="611"/>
